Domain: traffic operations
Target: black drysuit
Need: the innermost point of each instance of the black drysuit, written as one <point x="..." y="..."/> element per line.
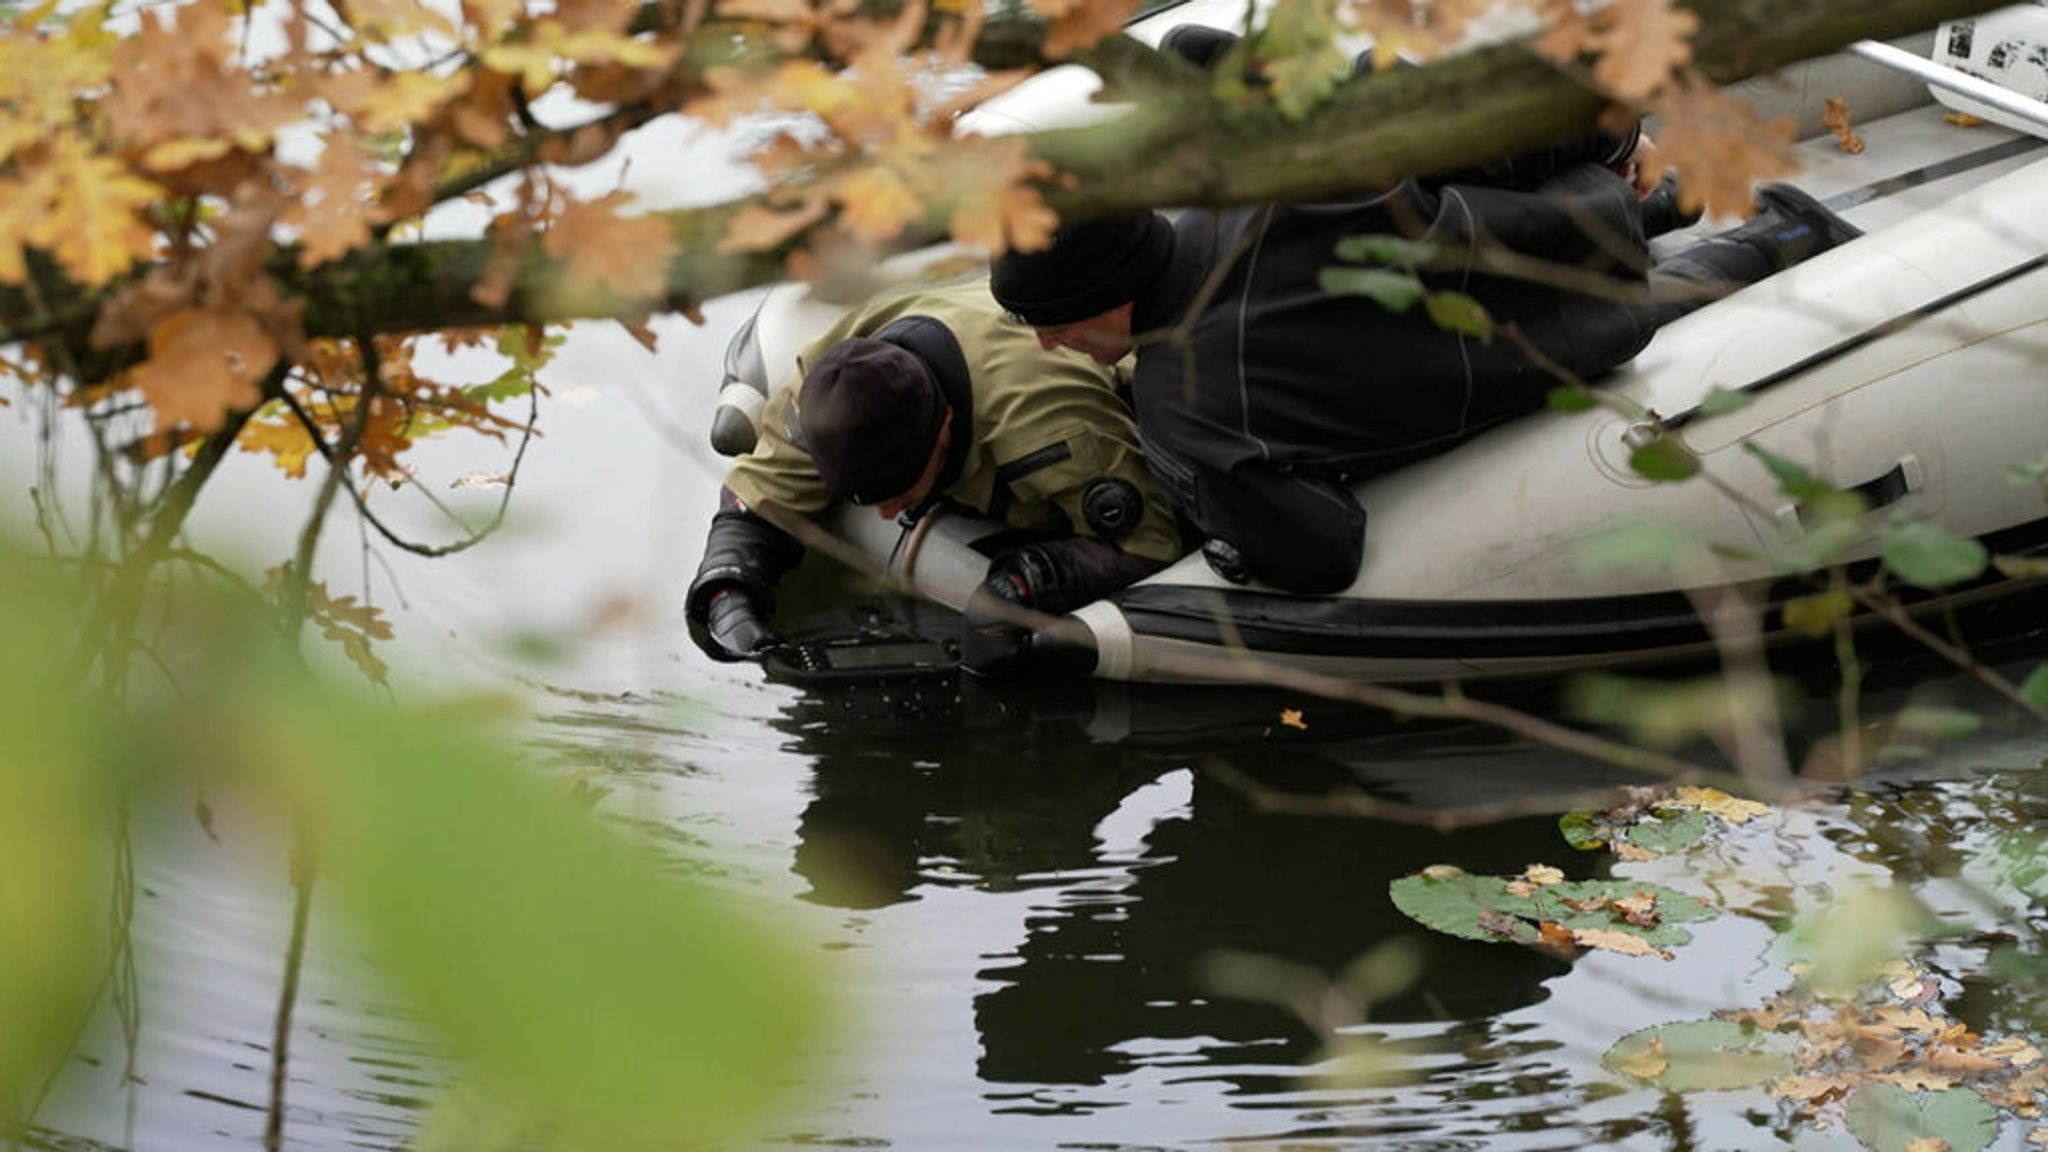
<point x="1281" y="393"/>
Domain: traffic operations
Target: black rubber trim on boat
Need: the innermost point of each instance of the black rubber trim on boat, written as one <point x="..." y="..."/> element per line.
<point x="1283" y="624"/>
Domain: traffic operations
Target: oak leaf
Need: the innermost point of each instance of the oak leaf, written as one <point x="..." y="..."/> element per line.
<point x="204" y="363"/>
<point x="1625" y="943"/>
<point x="1812" y="1089"/>
<point x="1718" y="144"/>
<point x="1081" y="24"/>
<point x="1291" y="718"/>
<point x="337" y="205"/>
<point x="286" y="440"/>
<point x="875" y="204"/>
<point x="87" y="210"/>
<point x="758" y="228"/>
<point x="1641" y="43"/>
<point x="997" y="207"/>
<point x="1715" y="802"/>
<point x="600" y="250"/>
<point x="1836" y="120"/>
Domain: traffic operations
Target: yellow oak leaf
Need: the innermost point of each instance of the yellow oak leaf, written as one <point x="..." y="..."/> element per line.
<point x="204" y="363"/>
<point x="286" y="440"/>
<point x="91" y="212"/>
<point x="1291" y="718"/>
<point x="875" y="204"/>
<point x="1718" y="144"/>
<point x="1927" y="1144"/>
<point x="1715" y="802"/>
<point x="1641" y="42"/>
<point x="1543" y="874"/>
<point x="387" y="102"/>
<point x="600" y="250"/>
<point x="1625" y="943"/>
<point x="382" y="21"/>
<point x="41" y="77"/>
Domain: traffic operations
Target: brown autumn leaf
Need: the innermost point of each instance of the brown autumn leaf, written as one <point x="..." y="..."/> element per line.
<point x="181" y="95"/>
<point x="1291" y="718"/>
<point x="1077" y="25"/>
<point x="1568" y="33"/>
<point x="1836" y="120"/>
<point x="602" y="251"/>
<point x="1815" y="1089"/>
<point x="1718" y="144"/>
<point x="1915" y="1080"/>
<point x="1641" y="43"/>
<point x="759" y="228"/>
<point x="1556" y="939"/>
<point x="337" y="204"/>
<point x="1612" y="940"/>
<point x="1927" y="1144"/>
<point x="1639" y="910"/>
<point x="204" y="363"/>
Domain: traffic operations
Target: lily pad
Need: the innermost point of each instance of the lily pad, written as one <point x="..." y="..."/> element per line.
<point x="1887" y="1118"/>
<point x="1701" y="1056"/>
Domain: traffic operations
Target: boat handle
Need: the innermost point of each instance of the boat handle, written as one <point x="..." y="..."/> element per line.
<point x="1895" y="484"/>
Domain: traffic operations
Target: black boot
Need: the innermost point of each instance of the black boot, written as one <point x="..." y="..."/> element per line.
<point x="1790" y="226"/>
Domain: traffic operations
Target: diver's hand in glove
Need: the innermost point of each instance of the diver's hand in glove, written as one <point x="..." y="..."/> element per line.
<point x="735" y="626"/>
<point x="994" y="640"/>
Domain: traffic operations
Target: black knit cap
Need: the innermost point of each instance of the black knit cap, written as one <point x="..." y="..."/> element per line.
<point x="870" y="413"/>
<point x="1091" y="267"/>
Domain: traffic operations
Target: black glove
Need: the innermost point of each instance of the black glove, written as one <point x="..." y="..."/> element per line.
<point x="734" y="625"/>
<point x="994" y="640"/>
<point x="731" y="600"/>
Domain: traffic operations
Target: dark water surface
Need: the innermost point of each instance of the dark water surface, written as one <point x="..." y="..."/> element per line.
<point x="1037" y="900"/>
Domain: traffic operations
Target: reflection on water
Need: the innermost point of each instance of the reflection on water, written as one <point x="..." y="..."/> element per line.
<point x="1024" y="890"/>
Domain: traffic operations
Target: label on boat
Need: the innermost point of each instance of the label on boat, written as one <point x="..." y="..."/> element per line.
<point x="2008" y="47"/>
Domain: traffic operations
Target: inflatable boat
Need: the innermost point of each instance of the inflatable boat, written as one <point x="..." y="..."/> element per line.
<point x="1908" y="366"/>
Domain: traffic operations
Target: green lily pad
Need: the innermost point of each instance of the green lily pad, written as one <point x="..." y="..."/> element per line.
<point x="1887" y="1118"/>
<point x="1701" y="1056"/>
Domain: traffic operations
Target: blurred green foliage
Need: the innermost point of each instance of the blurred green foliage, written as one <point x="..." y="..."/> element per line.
<point x="595" y="999"/>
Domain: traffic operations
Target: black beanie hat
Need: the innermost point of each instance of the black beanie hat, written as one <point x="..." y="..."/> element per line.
<point x="1091" y="267"/>
<point x="870" y="413"/>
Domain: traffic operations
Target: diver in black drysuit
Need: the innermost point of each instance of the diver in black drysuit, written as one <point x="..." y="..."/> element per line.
<point x="1278" y="395"/>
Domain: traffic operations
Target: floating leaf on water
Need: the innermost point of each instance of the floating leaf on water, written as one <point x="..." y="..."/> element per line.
<point x="1887" y="1118"/>
<point x="1494" y="910"/>
<point x="1664" y="835"/>
<point x="1715" y="802"/>
<point x="1701" y="1056"/>
<point x="1582" y="830"/>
